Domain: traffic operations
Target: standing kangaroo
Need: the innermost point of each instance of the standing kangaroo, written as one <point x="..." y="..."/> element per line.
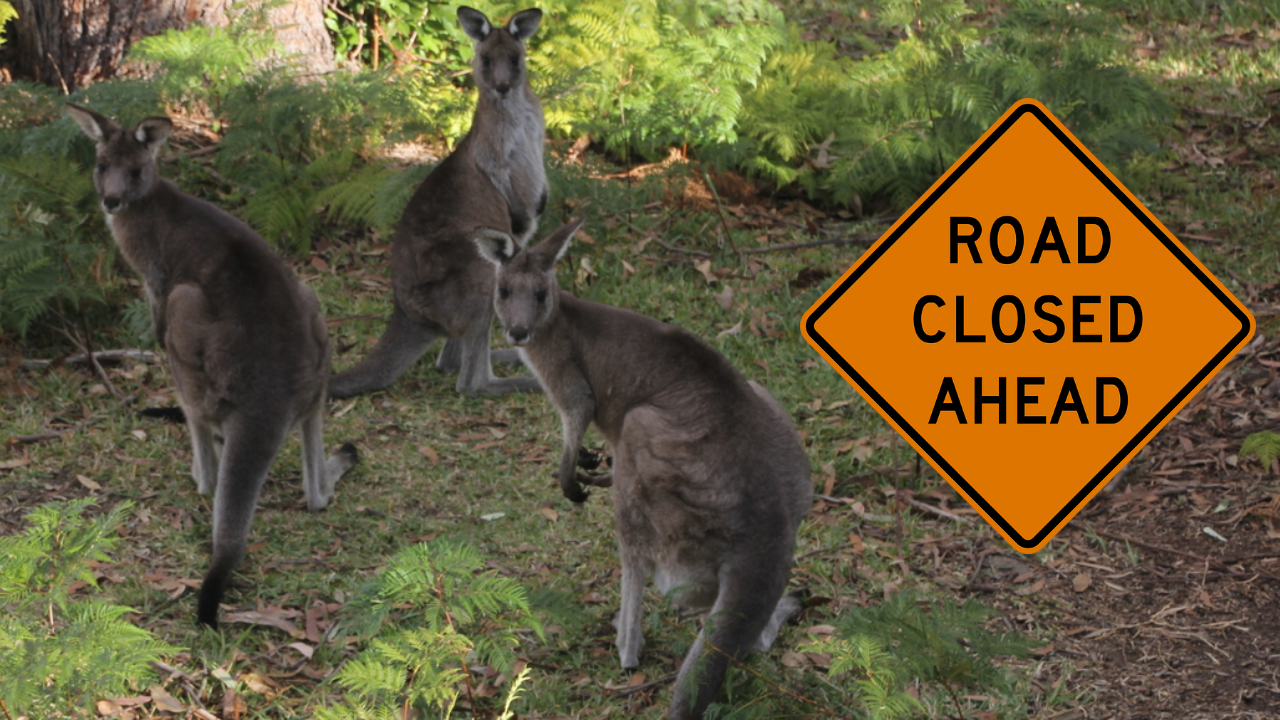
<point x="495" y="178"/>
<point x="709" y="479"/>
<point x="247" y="345"/>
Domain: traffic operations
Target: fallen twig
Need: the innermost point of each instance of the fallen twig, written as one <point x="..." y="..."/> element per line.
<point x="623" y="692"/>
<point x="857" y="239"/>
<point x="1208" y="562"/>
<point x="101" y="355"/>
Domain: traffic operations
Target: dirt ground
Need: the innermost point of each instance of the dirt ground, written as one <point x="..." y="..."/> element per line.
<point x="1166" y="602"/>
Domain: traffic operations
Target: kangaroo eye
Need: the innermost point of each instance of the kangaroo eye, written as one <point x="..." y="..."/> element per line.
<point x="504" y="292"/>
<point x="484" y="60"/>
<point x="540" y="296"/>
<point x="515" y="61"/>
<point x="102" y="167"/>
<point x="135" y="173"/>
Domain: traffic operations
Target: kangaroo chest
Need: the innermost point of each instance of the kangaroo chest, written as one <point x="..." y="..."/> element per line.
<point x="509" y="151"/>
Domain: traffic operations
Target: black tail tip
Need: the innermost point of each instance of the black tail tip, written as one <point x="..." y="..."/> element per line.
<point x="172" y="414"/>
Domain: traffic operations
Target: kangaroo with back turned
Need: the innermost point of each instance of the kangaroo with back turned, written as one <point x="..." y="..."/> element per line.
<point x="494" y="178"/>
<point x="709" y="479"/>
<point x="246" y="342"/>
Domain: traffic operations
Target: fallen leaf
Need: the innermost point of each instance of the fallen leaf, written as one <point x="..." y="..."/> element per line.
<point x="725" y="298"/>
<point x="261" y="684"/>
<point x="273" y="616"/>
<point x="1031" y="589"/>
<point x="1082" y="582"/>
<point x="731" y="331"/>
<point x="87" y="482"/>
<point x="636" y="679"/>
<point x="166" y="702"/>
<point x="429" y="454"/>
<point x="794" y="659"/>
<point x="106" y="708"/>
<point x="822" y="660"/>
<point x="318" y="263"/>
<point x="15" y="463"/>
<point x="549" y="513"/>
<point x="704" y="266"/>
<point x="140" y="434"/>
<point x="493" y="516"/>
<point x="306" y="650"/>
<point x="233" y="706"/>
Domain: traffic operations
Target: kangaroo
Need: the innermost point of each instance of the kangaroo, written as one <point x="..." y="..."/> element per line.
<point x="246" y="342"/>
<point x="709" y="479"/>
<point x="494" y="178"/>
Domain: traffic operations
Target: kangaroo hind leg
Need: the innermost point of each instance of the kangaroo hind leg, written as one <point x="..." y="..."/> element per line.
<point x="204" y="454"/>
<point x="319" y="476"/>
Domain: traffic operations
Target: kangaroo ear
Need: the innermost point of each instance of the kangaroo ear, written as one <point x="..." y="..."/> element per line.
<point x="557" y="244"/>
<point x="495" y="246"/>
<point x="474" y="23"/>
<point x="94" y="125"/>
<point x="525" y="23"/>
<point x="152" y="132"/>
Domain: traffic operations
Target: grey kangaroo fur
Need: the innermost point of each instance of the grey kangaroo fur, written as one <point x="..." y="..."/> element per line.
<point x="246" y="342"/>
<point x="709" y="479"/>
<point x="495" y="178"/>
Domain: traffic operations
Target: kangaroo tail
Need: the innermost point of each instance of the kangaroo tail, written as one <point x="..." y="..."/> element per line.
<point x="397" y="350"/>
<point x="249" y="449"/>
<point x="742" y="609"/>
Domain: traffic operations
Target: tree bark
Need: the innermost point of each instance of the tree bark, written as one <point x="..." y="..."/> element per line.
<point x="73" y="43"/>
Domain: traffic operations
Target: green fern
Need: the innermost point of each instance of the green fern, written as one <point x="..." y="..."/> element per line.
<point x="62" y="651"/>
<point x="426" y="613"/>
<point x="946" y="645"/>
<point x="1264" y="445"/>
<point x="7" y="13"/>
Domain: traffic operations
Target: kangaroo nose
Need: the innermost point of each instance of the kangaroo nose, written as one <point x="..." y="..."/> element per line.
<point x="502" y="88"/>
<point x="111" y="202"/>
<point x="518" y="335"/>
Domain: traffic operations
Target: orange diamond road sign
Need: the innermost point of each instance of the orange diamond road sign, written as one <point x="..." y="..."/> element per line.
<point x="1028" y="326"/>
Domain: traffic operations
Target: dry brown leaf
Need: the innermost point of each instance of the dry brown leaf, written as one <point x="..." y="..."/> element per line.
<point x="233" y="706"/>
<point x="725" y="298"/>
<point x="88" y="482"/>
<point x="106" y="708"/>
<point x="704" y="266"/>
<point x="15" y="463"/>
<point x="271" y="616"/>
<point x="1082" y="582"/>
<point x="794" y="659"/>
<point x="636" y="679"/>
<point x="262" y="684"/>
<point x="429" y="454"/>
<point x="549" y="513"/>
<point x="164" y="701"/>
<point x="1031" y="589"/>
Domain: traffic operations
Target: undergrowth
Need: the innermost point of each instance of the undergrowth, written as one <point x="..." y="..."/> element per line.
<point x="63" y="650"/>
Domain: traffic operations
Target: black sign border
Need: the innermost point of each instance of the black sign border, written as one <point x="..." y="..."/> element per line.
<point x="1246" y="322"/>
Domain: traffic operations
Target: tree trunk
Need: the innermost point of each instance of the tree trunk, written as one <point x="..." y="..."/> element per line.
<point x="73" y="43"/>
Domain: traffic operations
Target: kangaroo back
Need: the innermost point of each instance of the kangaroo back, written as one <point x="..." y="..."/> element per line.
<point x="709" y="480"/>
<point x="495" y="178"/>
<point x="245" y="340"/>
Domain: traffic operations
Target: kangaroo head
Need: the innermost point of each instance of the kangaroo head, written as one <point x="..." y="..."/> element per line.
<point x="499" y="52"/>
<point x="126" y="171"/>
<point x="525" y="287"/>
